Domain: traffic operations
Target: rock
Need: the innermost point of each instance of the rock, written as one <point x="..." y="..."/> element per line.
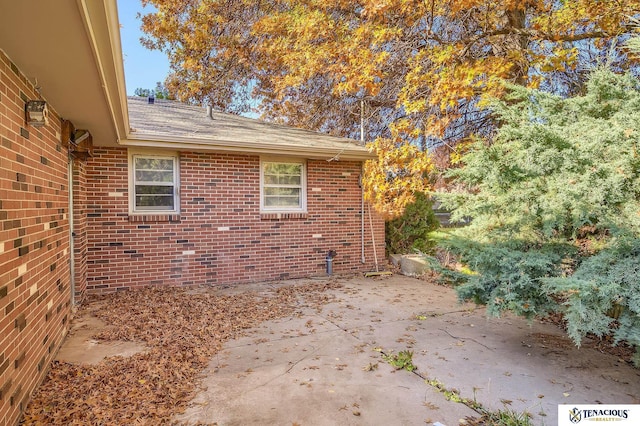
<point x="413" y="265"/>
<point x="395" y="259"/>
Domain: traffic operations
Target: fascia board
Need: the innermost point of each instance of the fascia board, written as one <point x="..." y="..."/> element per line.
<point x="194" y="144"/>
<point x="103" y="31"/>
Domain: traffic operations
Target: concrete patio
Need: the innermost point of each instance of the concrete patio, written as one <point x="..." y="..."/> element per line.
<point x="325" y="365"/>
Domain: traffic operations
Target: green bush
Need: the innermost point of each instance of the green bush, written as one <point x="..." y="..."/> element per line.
<point x="554" y="204"/>
<point x="410" y="232"/>
<point x="603" y="286"/>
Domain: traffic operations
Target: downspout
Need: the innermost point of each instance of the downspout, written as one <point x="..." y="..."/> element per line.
<point x="362" y="259"/>
<point x="72" y="261"/>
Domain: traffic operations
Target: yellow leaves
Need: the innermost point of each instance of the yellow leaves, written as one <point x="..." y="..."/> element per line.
<point x="381" y="33"/>
<point x="573" y="17"/>
<point x="400" y="170"/>
<point x="460" y="151"/>
<point x="435" y="62"/>
<point x="458" y="6"/>
<point x="415" y="106"/>
<point x="376" y="7"/>
<point x="452" y="83"/>
<point x="383" y="10"/>
<point x="559" y="59"/>
<point x="443" y="54"/>
<point x="318" y="44"/>
<point x="534" y="82"/>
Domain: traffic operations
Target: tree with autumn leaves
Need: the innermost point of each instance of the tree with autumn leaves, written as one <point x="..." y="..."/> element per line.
<point x="408" y="74"/>
<point x="547" y="150"/>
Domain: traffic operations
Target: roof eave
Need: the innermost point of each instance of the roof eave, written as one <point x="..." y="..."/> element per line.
<point x="349" y="153"/>
<point x="71" y="50"/>
<point x="103" y="32"/>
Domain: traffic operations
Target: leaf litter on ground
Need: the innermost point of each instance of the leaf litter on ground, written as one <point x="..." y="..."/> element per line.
<point x="182" y="330"/>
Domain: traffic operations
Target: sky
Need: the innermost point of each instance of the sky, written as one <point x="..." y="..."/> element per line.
<point x="142" y="67"/>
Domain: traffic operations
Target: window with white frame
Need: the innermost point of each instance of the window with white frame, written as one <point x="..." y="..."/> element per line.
<point x="154" y="183"/>
<point x="283" y="186"/>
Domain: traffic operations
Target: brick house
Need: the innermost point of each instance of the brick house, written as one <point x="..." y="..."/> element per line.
<point x="239" y="200"/>
<point x="112" y="193"/>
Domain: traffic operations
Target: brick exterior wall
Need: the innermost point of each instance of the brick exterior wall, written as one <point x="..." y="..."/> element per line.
<point x="34" y="244"/>
<point x="220" y="236"/>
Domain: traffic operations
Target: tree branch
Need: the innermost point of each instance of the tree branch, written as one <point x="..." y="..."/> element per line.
<point x="543" y="35"/>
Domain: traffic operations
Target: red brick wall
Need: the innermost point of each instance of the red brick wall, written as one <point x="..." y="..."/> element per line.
<point x="34" y="244"/>
<point x="220" y="236"/>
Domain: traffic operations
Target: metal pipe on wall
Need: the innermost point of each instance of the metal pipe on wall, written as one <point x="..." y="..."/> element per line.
<point x="72" y="260"/>
<point x="362" y="259"/>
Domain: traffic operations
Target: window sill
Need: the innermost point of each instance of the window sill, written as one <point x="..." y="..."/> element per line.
<point x="158" y="217"/>
<point x="283" y="215"/>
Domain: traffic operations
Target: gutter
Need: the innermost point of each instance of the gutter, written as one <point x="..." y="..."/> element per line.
<point x="357" y="153"/>
<point x="103" y="32"/>
<point x="362" y="258"/>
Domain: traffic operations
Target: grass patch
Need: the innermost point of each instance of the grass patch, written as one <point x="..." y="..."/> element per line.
<point x="403" y="360"/>
<point x="506" y="417"/>
<point x="501" y="418"/>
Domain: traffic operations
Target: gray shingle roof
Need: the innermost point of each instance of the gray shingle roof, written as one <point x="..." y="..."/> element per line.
<point x="169" y="123"/>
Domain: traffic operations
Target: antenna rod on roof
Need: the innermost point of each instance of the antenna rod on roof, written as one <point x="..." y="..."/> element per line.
<point x="210" y="111"/>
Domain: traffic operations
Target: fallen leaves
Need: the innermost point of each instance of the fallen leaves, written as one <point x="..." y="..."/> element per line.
<point x="182" y="330"/>
<point x="370" y="367"/>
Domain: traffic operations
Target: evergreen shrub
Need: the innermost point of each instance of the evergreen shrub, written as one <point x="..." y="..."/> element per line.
<point x="554" y="203"/>
<point x="410" y="232"/>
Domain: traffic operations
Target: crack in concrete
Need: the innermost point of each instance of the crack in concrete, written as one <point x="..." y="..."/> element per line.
<point x="288" y="370"/>
<point x="465" y="338"/>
